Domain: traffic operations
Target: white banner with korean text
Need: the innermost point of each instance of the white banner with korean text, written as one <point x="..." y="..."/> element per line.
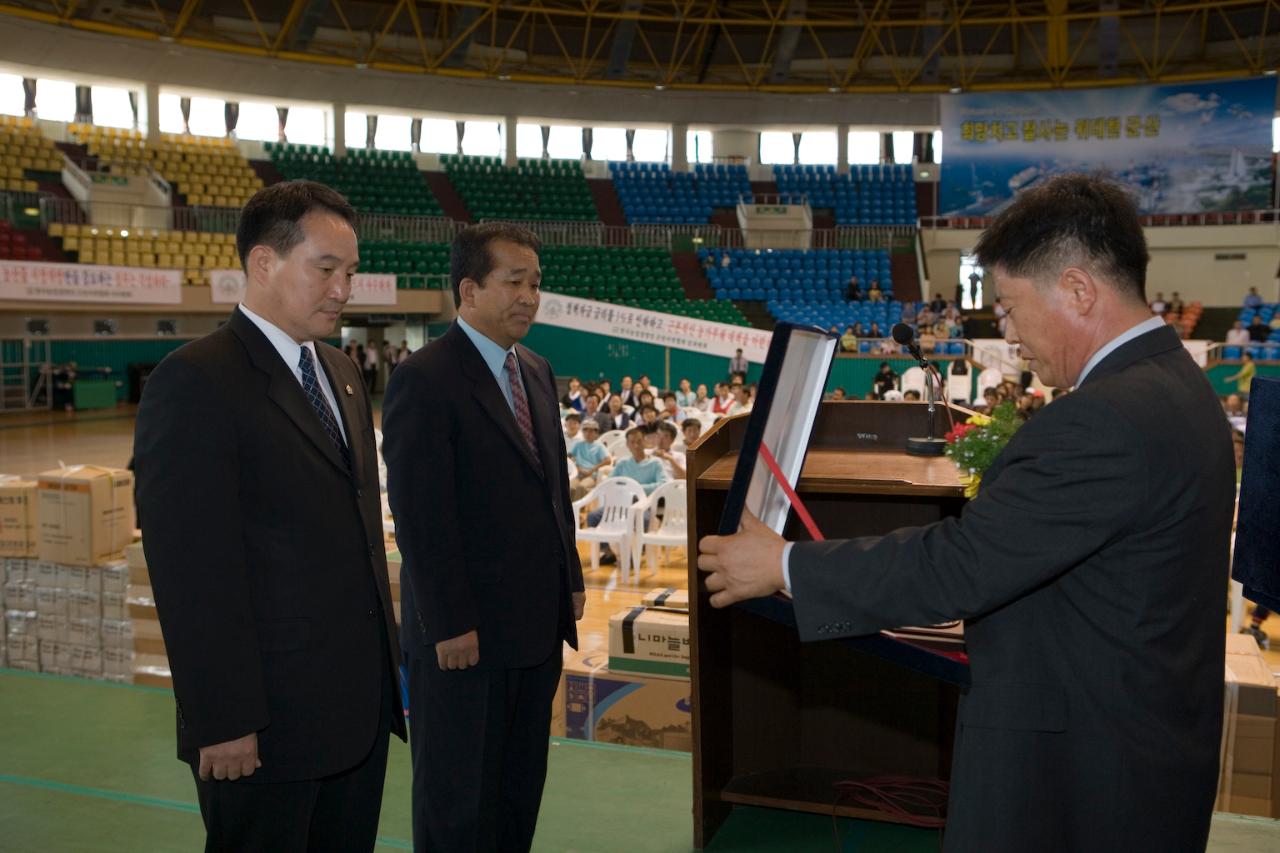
<point x="653" y="327"/>
<point x="46" y="282"/>
<point x="366" y="288"/>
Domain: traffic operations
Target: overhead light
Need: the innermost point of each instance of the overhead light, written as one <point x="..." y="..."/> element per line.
<point x="1270" y="72"/>
<point x="124" y="233"/>
<point x="660" y="87"/>
<point x="504" y="76"/>
<point x="955" y="90"/>
<point x="362" y="66"/>
<point x="833" y="89"/>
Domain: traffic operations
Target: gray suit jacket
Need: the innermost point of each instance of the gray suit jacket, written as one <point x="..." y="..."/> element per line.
<point x="1090" y="571"/>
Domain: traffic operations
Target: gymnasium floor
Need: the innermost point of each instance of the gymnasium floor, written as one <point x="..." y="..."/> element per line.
<point x="89" y="766"/>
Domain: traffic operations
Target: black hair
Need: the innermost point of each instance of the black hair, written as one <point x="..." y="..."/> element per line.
<point x="669" y="428"/>
<point x="469" y="257"/>
<point x="688" y="422"/>
<point x="1070" y="220"/>
<point x="273" y="217"/>
<point x="573" y="416"/>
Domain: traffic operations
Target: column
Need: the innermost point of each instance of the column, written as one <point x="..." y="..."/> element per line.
<point x="842" y="149"/>
<point x="680" y="147"/>
<point x="153" y="111"/>
<point x="339" y="113"/>
<point x="509" y="125"/>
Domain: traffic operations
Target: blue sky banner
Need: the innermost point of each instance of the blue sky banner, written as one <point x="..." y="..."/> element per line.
<point x="1182" y="148"/>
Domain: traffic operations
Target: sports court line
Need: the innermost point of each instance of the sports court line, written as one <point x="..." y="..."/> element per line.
<point x="140" y="800"/>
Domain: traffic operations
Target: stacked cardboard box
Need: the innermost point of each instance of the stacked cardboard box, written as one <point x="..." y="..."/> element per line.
<point x="650" y="642"/>
<point x="64" y="593"/>
<point x="597" y="704"/>
<point x="1249" y="774"/>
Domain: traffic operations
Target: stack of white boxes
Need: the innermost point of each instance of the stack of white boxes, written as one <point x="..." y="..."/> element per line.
<point x="71" y="617"/>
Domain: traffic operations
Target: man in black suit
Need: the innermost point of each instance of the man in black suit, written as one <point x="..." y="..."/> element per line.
<point x="1089" y="570"/>
<point x="258" y="501"/>
<point x="491" y="585"/>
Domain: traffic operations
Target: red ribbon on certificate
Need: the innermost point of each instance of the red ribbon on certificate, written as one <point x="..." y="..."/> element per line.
<point x="798" y="505"/>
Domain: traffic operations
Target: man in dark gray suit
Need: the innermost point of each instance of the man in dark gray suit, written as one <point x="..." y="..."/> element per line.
<point x="1089" y="570"/>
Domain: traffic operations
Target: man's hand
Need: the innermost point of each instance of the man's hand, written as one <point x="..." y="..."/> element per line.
<point x="579" y="604"/>
<point x="745" y="565"/>
<point x="459" y="652"/>
<point x="230" y="760"/>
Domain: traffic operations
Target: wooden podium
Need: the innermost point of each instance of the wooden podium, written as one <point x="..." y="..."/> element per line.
<point x="776" y="722"/>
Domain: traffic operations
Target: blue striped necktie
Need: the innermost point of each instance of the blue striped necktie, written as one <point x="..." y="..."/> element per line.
<point x="311" y="385"/>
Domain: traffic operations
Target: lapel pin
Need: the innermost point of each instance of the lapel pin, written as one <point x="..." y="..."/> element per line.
<point x="350" y="392"/>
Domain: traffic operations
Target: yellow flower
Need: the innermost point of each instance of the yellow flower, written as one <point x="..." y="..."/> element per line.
<point x="971" y="482"/>
<point x="979" y="420"/>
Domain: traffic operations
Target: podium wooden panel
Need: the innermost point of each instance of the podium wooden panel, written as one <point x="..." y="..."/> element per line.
<point x="777" y="722"/>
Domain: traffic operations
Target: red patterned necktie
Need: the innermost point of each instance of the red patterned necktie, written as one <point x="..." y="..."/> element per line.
<point x="523" y="419"/>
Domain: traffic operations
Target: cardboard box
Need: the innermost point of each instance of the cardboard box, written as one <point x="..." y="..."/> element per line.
<point x="52" y="601"/>
<point x="19" y="595"/>
<point x="624" y="708"/>
<point x="85" y="661"/>
<point x="86" y="514"/>
<point x="82" y="604"/>
<point x="117" y="662"/>
<point x="51" y="629"/>
<point x="651" y="642"/>
<point x="20" y="623"/>
<point x="114" y="576"/>
<point x="16" y="569"/>
<point x="85" y="632"/>
<point x="17" y="517"/>
<point x="117" y="634"/>
<point x="88" y="578"/>
<point x="22" y="649"/>
<point x="670" y="598"/>
<point x="43" y="573"/>
<point x="114" y="605"/>
<point x="1249" y="775"/>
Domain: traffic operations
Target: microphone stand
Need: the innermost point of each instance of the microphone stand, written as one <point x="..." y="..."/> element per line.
<point x="927" y="445"/>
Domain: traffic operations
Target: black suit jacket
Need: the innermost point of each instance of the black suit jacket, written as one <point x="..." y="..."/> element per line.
<point x="488" y="543"/>
<point x="266" y="555"/>
<point x="1090" y="571"/>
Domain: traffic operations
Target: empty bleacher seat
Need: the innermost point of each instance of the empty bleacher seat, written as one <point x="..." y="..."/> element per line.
<point x="532" y="190"/>
<point x="651" y="193"/>
<point x="373" y="181"/>
<point x="867" y="195"/>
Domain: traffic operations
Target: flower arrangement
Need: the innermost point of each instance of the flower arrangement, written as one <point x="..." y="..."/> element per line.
<point x="974" y="445"/>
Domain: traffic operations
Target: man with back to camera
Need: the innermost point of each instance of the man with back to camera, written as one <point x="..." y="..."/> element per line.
<point x="491" y="582"/>
<point x="259" y="503"/>
<point x="1089" y="571"/>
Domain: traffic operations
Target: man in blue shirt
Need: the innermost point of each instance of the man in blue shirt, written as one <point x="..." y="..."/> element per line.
<point x="590" y="456"/>
<point x="1253" y="299"/>
<point x="646" y="471"/>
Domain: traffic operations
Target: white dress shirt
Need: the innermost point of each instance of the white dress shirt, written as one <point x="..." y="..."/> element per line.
<point x="291" y="352"/>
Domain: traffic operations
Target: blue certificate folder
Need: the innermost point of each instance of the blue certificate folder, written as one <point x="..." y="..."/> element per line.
<point x="787" y="398"/>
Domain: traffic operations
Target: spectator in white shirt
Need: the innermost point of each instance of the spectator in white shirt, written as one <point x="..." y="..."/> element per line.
<point x="673" y="462"/>
<point x="1238" y="335"/>
<point x="671" y="410"/>
<point x="741" y="399"/>
<point x="692" y="428"/>
<point x="572" y="431"/>
<point x="701" y="401"/>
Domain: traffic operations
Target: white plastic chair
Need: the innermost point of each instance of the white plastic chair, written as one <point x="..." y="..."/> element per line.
<point x="913" y="380"/>
<point x="959" y="386"/>
<point x="573" y="468"/>
<point x="988" y="378"/>
<point x="615" y="496"/>
<point x="611" y="435"/>
<point x="617" y="446"/>
<point x="671" y="531"/>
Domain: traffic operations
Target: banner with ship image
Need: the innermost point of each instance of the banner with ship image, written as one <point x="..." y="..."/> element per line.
<point x="1181" y="147"/>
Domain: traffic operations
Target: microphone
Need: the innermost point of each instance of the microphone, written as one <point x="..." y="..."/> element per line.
<point x="906" y="336"/>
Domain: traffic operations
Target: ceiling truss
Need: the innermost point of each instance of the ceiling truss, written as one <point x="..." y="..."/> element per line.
<point x="784" y="46"/>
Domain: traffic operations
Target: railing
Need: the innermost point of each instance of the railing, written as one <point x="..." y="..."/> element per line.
<point x="14" y="205"/>
<point x="406" y="229"/>
<point x="564" y="233"/>
<point x="1155" y="220"/>
<point x="773" y="198"/>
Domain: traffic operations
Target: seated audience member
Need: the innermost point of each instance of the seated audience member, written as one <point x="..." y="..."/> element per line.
<point x="908" y="313"/>
<point x="911" y="395"/>
<point x="991" y="398"/>
<point x="629" y="393"/>
<point x="1175" y="304"/>
<point x="849" y="340"/>
<point x="853" y="292"/>
<point x="603" y="389"/>
<point x="875" y="294"/>
<point x="1259" y="331"/>
<point x="701" y="401"/>
<point x="1237" y="335"/>
<point x="573" y="397"/>
<point x="839" y="393"/>
<point x="572" y="431"/>
<point x="741" y="399"/>
<point x="873" y="331"/>
<point x="673" y="462"/>
<point x="685" y="397"/>
<point x="617" y="418"/>
<point x="1158" y="305"/>
<point x="858" y="331"/>
<point x="1252" y="299"/>
<point x="639" y="467"/>
<point x="1275" y="321"/>
<point x="938" y="305"/>
<point x="724" y="399"/>
<point x="893" y="395"/>
<point x="671" y="410"/>
<point x="647" y="399"/>
<point x="590" y="456"/>
<point x="648" y="422"/>
<point x="751" y="392"/>
<point x="692" y="429"/>
<point x="1233" y="405"/>
<point x="591" y="411"/>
